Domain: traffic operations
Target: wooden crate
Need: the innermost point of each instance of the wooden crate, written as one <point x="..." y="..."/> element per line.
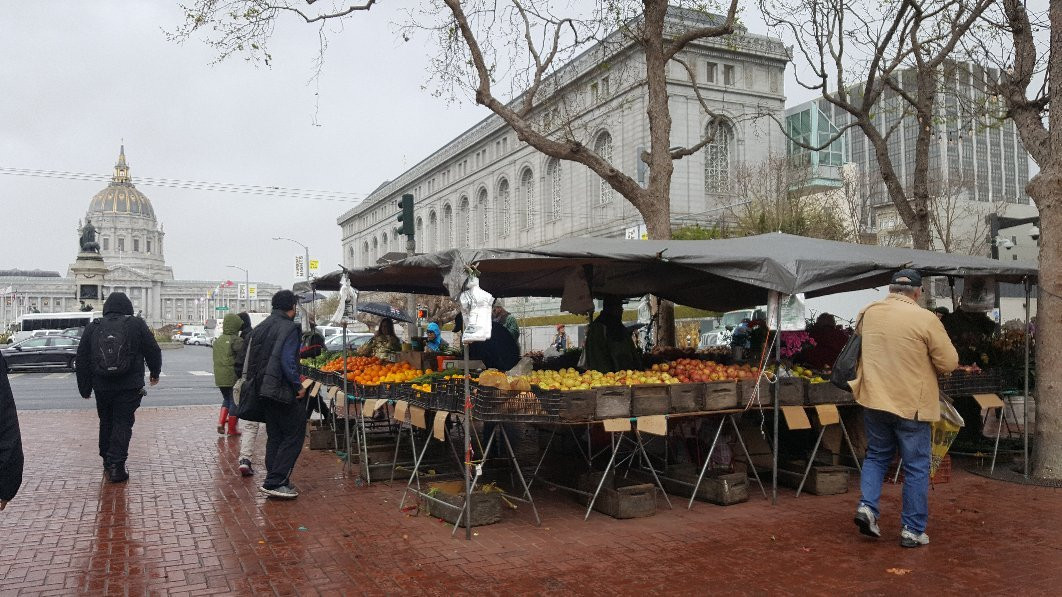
<point x="747" y="387"/>
<point x="486" y="507"/>
<point x="649" y="399"/>
<point x="723" y="489"/>
<point x="827" y="393"/>
<point x="619" y="498"/>
<point x="578" y="405"/>
<point x="685" y="397"/>
<point x="822" y="480"/>
<point x="720" y="395"/>
<point x="613" y="402"/>
<point x="792" y="391"/>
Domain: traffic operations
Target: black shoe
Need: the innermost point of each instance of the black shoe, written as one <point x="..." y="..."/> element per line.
<point x="117" y="473"/>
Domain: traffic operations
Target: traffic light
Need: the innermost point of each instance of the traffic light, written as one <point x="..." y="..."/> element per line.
<point x="422" y="313"/>
<point x="405" y="217"/>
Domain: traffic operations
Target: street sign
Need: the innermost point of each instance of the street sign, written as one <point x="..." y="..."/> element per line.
<point x="222" y="308"/>
<point x="252" y="291"/>
<point x="314" y="265"/>
<point x="241" y="292"/>
<point x="300" y="267"/>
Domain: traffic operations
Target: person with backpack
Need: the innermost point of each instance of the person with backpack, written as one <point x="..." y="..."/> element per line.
<point x="272" y="366"/>
<point x="110" y="363"/>
<point x="226" y="347"/>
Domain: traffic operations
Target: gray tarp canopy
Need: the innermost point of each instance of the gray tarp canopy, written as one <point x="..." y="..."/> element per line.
<point x="718" y="275"/>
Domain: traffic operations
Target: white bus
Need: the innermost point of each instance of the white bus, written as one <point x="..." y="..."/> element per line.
<point x="28" y="323"/>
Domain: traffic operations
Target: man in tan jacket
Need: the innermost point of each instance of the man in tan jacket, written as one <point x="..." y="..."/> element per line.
<point x="904" y="349"/>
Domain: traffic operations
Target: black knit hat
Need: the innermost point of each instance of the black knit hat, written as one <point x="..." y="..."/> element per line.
<point x="284" y="300"/>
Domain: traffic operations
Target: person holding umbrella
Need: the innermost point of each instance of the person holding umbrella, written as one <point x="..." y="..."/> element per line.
<point x="384" y="343"/>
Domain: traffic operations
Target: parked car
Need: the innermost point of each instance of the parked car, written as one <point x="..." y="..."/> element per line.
<point x="199" y="340"/>
<point x="354" y="341"/>
<point x="51" y="351"/>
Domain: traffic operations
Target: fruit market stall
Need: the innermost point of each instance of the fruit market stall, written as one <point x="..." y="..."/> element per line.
<point x="717" y="275"/>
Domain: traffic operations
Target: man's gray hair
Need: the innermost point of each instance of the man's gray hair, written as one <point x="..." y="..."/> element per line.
<point x="903" y="289"/>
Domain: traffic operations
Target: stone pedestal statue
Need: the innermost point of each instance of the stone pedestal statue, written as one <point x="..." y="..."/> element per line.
<point x="89" y="270"/>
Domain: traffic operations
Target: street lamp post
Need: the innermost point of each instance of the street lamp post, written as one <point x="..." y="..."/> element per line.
<point x="306" y="269"/>
<point x="246" y="288"/>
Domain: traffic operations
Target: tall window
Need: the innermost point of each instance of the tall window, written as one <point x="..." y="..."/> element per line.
<point x="465" y="221"/>
<point x="148" y="250"/>
<point x="366" y="258"/>
<point x="717" y="159"/>
<point x="121" y="245"/>
<point x="505" y="203"/>
<point x="418" y="232"/>
<point x="136" y="245"/>
<point x="448" y="226"/>
<point x="553" y="175"/>
<point x="484" y="218"/>
<point x="432" y="242"/>
<point x="527" y="187"/>
<point x="375" y="249"/>
<point x="106" y="244"/>
<point x="603" y="148"/>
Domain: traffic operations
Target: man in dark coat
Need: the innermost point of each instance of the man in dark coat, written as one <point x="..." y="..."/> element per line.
<point x="11" y="459"/>
<point x="118" y="391"/>
<point x="273" y="365"/>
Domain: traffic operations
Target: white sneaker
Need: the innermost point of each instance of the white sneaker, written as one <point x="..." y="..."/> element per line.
<point x="867" y="522"/>
<point x="909" y="538"/>
<point x="283" y="492"/>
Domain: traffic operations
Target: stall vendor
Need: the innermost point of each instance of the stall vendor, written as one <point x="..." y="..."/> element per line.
<point x="384" y="343"/>
<point x="435" y="343"/>
<point x="609" y="346"/>
<point x="829" y="340"/>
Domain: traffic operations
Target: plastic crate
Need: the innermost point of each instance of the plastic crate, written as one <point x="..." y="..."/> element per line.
<point x="536" y="406"/>
<point x="449" y="395"/>
<point x="965" y="384"/>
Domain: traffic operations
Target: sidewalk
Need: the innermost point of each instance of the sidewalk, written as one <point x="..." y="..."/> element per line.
<point x="186" y="523"/>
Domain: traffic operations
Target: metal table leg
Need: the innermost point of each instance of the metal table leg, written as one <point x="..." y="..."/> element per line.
<point x="707" y="461"/>
<point x="811" y="460"/>
<point x="748" y="458"/>
<point x="604" y="476"/>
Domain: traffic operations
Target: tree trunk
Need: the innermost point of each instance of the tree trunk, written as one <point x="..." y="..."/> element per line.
<point x="658" y="225"/>
<point x="1046" y="189"/>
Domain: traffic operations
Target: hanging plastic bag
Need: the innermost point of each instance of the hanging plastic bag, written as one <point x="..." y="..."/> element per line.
<point x="944" y="432"/>
<point x="475" y="311"/>
<point x="348" y="302"/>
<point x="577" y="298"/>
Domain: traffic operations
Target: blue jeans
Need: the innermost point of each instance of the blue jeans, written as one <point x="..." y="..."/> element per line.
<point x="886" y="433"/>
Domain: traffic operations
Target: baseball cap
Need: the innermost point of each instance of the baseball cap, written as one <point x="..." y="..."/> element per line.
<point x="907" y="277"/>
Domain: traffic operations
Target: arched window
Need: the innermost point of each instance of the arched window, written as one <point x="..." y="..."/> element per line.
<point x="527" y="189"/>
<point x="375" y="250"/>
<point x="448" y="227"/>
<point x="465" y="222"/>
<point x="553" y="180"/>
<point x="482" y="206"/>
<point x="385" y="244"/>
<point x="603" y="148"/>
<point x="505" y="204"/>
<point x="419" y="233"/>
<point x="717" y="158"/>
<point x="432" y="243"/>
<point x="365" y="257"/>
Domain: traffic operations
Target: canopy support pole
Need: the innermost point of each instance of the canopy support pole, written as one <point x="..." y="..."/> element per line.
<point x="1025" y="403"/>
<point x="774" y="391"/>
<point x="346" y="405"/>
<point x="468" y="451"/>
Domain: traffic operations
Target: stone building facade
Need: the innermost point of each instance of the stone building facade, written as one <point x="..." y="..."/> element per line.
<point x="132" y="243"/>
<point x="485" y="188"/>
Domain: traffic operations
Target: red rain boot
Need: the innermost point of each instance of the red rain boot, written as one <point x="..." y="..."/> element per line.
<point x="232" y="426"/>
<point x="221" y="420"/>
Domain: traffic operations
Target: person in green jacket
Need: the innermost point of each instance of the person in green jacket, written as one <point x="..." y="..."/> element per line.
<point x="227" y="348"/>
<point x="609" y="346"/>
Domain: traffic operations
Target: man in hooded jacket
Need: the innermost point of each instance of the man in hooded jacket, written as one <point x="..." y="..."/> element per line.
<point x="117" y="395"/>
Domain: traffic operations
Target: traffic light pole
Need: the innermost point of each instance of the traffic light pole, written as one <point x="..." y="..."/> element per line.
<point x="408" y="229"/>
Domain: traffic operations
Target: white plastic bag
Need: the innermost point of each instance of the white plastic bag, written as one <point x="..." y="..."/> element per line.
<point x="577" y="298"/>
<point x="348" y="303"/>
<point x="476" y="306"/>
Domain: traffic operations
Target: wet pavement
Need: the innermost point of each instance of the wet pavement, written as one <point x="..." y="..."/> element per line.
<point x="187" y="524"/>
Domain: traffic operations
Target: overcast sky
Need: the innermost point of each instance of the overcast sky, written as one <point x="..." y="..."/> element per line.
<point x="81" y="77"/>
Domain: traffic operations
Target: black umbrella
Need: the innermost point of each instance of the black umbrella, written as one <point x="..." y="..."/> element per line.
<point x="309" y="297"/>
<point x="384" y="310"/>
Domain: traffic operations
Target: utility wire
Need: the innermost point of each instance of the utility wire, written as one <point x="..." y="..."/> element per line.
<point x="195" y="185"/>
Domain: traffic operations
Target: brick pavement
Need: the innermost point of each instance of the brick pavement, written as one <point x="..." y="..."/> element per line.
<point x="186" y="524"/>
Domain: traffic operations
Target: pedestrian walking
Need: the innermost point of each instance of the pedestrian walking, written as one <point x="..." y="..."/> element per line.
<point x="110" y="363"/>
<point x="274" y="350"/>
<point x="904" y="348"/>
<point x="249" y="435"/>
<point x="226" y="348"/>
<point x="11" y="458"/>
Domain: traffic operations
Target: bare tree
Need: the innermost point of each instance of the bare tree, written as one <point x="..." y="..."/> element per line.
<point x="1024" y="45"/>
<point x="774" y="196"/>
<point x="882" y="65"/>
<point x="959" y="224"/>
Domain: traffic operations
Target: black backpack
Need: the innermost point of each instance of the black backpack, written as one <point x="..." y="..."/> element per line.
<point x="113" y="354"/>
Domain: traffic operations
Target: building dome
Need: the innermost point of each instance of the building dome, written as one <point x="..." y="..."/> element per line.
<point x="121" y="197"/>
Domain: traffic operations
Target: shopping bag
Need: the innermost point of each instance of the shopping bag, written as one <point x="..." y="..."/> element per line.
<point x="846" y="366"/>
<point x="944" y="432"/>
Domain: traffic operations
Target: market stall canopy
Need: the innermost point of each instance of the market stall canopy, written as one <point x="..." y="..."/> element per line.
<point x="719" y="274"/>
